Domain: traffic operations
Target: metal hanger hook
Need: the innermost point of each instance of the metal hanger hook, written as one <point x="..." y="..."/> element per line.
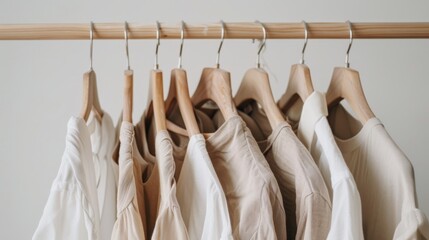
<point x="126" y="44"/>
<point x="305" y="42"/>
<point x="262" y="45"/>
<point x="182" y="38"/>
<point x="91" y="44"/>
<point x="222" y="37"/>
<point x="158" y="39"/>
<point x="350" y="44"/>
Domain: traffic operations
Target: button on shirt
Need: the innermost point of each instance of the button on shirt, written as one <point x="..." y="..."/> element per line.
<point x="315" y="132"/>
<point x="384" y="177"/>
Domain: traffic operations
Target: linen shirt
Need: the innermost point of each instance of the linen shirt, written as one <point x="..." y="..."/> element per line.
<point x="200" y="195"/>
<point x="314" y="131"/>
<point x="169" y="223"/>
<point x="74" y="184"/>
<point x="251" y="189"/>
<point x="305" y="196"/>
<point x="72" y="210"/>
<point x="130" y="205"/>
<point x="384" y="178"/>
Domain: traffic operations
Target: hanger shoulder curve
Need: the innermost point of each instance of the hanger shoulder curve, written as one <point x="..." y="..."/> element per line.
<point x="179" y="92"/>
<point x="256" y="86"/>
<point x="215" y="85"/>
<point x="299" y="85"/>
<point x="346" y="84"/>
<point x="90" y="97"/>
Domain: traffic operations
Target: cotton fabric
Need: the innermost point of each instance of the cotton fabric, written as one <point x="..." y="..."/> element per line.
<point x="305" y="196"/>
<point x="200" y="195"/>
<point x="384" y="177"/>
<point x="169" y="223"/>
<point x="82" y="201"/>
<point x="71" y="211"/>
<point x="250" y="187"/>
<point x="315" y="133"/>
<point x="130" y="205"/>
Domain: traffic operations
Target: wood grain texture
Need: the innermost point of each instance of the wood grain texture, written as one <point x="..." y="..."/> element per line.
<point x="243" y="30"/>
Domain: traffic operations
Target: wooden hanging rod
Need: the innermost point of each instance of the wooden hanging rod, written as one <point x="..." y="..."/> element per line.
<point x="247" y="30"/>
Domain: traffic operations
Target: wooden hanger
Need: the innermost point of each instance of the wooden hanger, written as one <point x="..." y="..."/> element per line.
<point x="215" y="85"/>
<point x="255" y="86"/>
<point x="345" y="84"/>
<point x="90" y="93"/>
<point x="127" y="114"/>
<point x="299" y="85"/>
<point x="155" y="104"/>
<point x="90" y="97"/>
<point x="179" y="92"/>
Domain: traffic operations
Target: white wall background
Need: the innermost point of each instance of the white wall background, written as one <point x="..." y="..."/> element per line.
<point x="41" y="81"/>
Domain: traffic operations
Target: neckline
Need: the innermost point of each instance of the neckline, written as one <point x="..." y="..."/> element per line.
<point x="351" y="143"/>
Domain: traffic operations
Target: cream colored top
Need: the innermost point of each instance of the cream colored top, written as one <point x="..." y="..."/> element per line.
<point x="130" y="205"/>
<point x="251" y="189"/>
<point x="72" y="210"/>
<point x="305" y="196"/>
<point x="169" y="223"/>
<point x="384" y="177"/>
<point x="315" y="133"/>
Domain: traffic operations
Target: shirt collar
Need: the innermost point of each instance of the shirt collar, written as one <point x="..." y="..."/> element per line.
<point x="314" y="108"/>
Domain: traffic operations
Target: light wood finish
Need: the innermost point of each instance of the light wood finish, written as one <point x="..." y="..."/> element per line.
<point x="299" y="86"/>
<point x="215" y="85"/>
<point x="243" y="30"/>
<point x="90" y="97"/>
<point x="128" y="96"/>
<point x="256" y="86"/>
<point x="179" y="92"/>
<point x="346" y="84"/>
<point x="155" y="101"/>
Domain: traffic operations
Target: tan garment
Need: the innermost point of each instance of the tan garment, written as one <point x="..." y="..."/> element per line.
<point x="305" y="195"/>
<point x="384" y="177"/>
<point x="150" y="178"/>
<point x="169" y="224"/>
<point x="130" y="205"/>
<point x="250" y="187"/>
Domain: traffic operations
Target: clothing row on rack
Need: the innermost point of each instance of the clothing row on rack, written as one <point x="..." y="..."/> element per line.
<point x="213" y="166"/>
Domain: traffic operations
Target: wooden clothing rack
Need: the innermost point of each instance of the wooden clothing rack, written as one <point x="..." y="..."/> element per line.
<point x="244" y="30"/>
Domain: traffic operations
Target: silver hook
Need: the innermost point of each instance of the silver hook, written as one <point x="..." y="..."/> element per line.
<point x="158" y="37"/>
<point x="126" y="44"/>
<point x="258" y="61"/>
<point x="222" y="37"/>
<point x="305" y="42"/>
<point x="350" y="44"/>
<point x="182" y="37"/>
<point x="91" y="38"/>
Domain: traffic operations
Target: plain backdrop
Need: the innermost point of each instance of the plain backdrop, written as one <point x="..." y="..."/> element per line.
<point x="41" y="81"/>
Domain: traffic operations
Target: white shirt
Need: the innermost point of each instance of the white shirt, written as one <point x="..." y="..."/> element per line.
<point x="315" y="133"/>
<point x="72" y="209"/>
<point x="103" y="139"/>
<point x="384" y="177"/>
<point x="200" y="195"/>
